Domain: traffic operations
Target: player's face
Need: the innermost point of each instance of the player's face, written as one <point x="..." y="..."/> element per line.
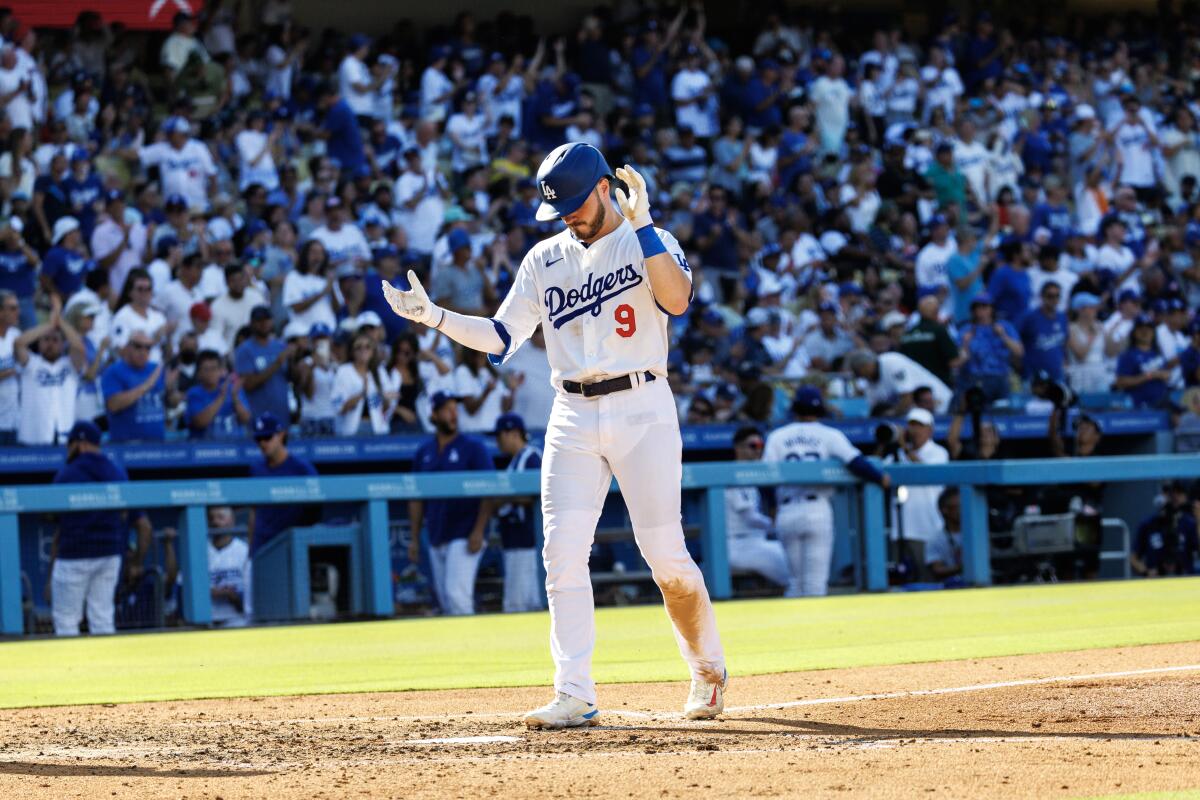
<point x="918" y="434"/>
<point x="750" y="449"/>
<point x="588" y="220"/>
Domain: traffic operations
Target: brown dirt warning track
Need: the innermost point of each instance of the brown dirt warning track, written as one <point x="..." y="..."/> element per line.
<point x="1081" y="724"/>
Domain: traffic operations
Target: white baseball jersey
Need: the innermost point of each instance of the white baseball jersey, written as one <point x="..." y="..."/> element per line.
<point x="900" y="375"/>
<point x="807" y="441"/>
<point x="595" y="306"/>
<point x="10" y="394"/>
<point x="185" y="171"/>
<point x="227" y="568"/>
<point x="47" y="400"/>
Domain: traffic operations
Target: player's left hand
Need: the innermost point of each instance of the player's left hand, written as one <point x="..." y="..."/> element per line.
<point x="635" y="204"/>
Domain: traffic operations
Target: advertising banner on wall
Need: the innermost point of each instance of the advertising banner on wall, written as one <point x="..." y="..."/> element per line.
<point x="136" y="14"/>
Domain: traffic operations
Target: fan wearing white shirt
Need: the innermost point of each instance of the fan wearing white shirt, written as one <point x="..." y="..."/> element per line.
<point x="343" y="240"/>
<point x="420" y="200"/>
<point x="135" y="314"/>
<point x="1136" y="143"/>
<point x="228" y="570"/>
<point x="256" y="162"/>
<point x="467" y="131"/>
<point x="314" y="384"/>
<point x="15" y="89"/>
<point x="479" y="390"/>
<point x="310" y="291"/>
<point x="893" y="378"/>
<point x="436" y="87"/>
<point x="355" y="82"/>
<point x="231" y="311"/>
<point x="118" y="245"/>
<point x="49" y="380"/>
<point x="502" y="92"/>
<point x="10" y="393"/>
<point x="185" y="164"/>
<point x="363" y="395"/>
<point x="695" y="99"/>
<point x="933" y="257"/>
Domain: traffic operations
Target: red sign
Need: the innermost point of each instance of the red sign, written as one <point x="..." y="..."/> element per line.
<point x="140" y="14"/>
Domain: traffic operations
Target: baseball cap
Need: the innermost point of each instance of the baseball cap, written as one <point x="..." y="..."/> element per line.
<point x="1084" y="300"/>
<point x="920" y="416"/>
<point x="458" y="239"/>
<point x="368" y="318"/>
<point x="756" y="317"/>
<point x="891" y="319"/>
<point x="566" y="177"/>
<point x="202" y="311"/>
<point x="320" y="330"/>
<point x="260" y="312"/>
<point x="439" y="399"/>
<point x="981" y="299"/>
<point x="1143" y="320"/>
<point x="84" y="431"/>
<point x="62" y="227"/>
<point x="939" y="219"/>
<point x="828" y="307"/>
<point x="509" y="422"/>
<point x="808" y="401"/>
<point x="256" y="227"/>
<point x="266" y="426"/>
<point x="176" y="202"/>
<point x="164" y="246"/>
<point x="358" y="40"/>
<point x="113" y="195"/>
<point x="1128" y="296"/>
<point x="333" y="201"/>
<point x="176" y="125"/>
<point x="849" y="288"/>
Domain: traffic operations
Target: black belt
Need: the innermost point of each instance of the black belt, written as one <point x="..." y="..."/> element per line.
<point x="609" y="386"/>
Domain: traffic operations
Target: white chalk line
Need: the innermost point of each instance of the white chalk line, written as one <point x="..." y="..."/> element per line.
<point x="975" y="687"/>
<point x="605" y="712"/>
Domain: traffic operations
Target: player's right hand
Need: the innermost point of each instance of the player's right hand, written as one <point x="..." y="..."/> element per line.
<point x="635" y="202"/>
<point x="412" y="305"/>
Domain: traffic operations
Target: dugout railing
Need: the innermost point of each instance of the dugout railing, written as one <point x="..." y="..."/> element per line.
<point x="374" y="492"/>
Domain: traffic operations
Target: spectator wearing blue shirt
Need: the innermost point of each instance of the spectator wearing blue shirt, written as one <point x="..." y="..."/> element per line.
<point x="268" y="521"/>
<point x="686" y="161"/>
<point x="764" y="94"/>
<point x="263" y="362"/>
<point x="965" y="271"/>
<point x="1166" y="541"/>
<point x="66" y="262"/>
<point x="456" y="527"/>
<point x="1009" y="286"/>
<point x="717" y="231"/>
<point x="88" y="545"/>
<point x="1044" y="335"/>
<point x="515" y="520"/>
<point x="18" y="271"/>
<point x="339" y="129"/>
<point x="1189" y="359"/>
<point x="1141" y="369"/>
<point x="1053" y="216"/>
<point x="137" y="393"/>
<point x="84" y="191"/>
<point x="217" y="407"/>
<point x="988" y="349"/>
<point x="649" y="61"/>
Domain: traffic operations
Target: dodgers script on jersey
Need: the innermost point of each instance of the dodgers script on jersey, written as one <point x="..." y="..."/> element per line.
<point x="807" y="441"/>
<point x="595" y="305"/>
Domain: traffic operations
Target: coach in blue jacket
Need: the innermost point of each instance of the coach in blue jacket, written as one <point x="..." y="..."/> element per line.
<point x="87" y="549"/>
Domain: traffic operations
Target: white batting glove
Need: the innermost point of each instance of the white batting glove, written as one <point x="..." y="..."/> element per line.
<point x="635" y="204"/>
<point x="414" y="304"/>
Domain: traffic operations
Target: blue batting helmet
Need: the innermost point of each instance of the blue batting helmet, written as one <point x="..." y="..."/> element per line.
<point x="566" y="177"/>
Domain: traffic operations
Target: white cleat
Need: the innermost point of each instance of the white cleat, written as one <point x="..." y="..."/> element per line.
<point x="706" y="700"/>
<point x="564" y="711"/>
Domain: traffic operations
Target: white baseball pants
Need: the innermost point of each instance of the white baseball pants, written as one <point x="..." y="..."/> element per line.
<point x="76" y="583"/>
<point x="757" y="553"/>
<point x="806" y="529"/>
<point x="521" y="590"/>
<point x="454" y="571"/>
<point x="633" y="435"/>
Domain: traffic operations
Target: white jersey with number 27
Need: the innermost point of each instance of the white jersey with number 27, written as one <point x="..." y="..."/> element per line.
<point x="807" y="441"/>
<point x="594" y="303"/>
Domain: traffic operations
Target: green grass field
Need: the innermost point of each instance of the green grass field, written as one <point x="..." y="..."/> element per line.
<point x="634" y="644"/>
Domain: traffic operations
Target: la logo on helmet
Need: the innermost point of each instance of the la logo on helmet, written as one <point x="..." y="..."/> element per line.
<point x="547" y="192"/>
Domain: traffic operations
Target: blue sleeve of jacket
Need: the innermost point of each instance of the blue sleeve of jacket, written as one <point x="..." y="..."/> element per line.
<point x="865" y="470"/>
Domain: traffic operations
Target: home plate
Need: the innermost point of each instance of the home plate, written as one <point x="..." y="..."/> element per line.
<point x="466" y="740"/>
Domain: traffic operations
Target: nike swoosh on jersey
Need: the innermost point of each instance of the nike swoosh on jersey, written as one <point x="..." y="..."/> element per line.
<point x="553" y="262"/>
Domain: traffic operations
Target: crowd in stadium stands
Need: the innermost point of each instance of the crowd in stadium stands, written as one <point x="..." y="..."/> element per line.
<point x="195" y="229"/>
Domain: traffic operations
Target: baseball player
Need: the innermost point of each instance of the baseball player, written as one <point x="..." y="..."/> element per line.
<point x="746" y="526"/>
<point x="805" y="517"/>
<point x="602" y="290"/>
<point x="515" y="518"/>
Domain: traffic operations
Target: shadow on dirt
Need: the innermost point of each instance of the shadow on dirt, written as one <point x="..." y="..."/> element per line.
<point x="46" y="770"/>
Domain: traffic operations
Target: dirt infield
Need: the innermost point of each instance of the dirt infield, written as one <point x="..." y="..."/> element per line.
<point x="1025" y="726"/>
